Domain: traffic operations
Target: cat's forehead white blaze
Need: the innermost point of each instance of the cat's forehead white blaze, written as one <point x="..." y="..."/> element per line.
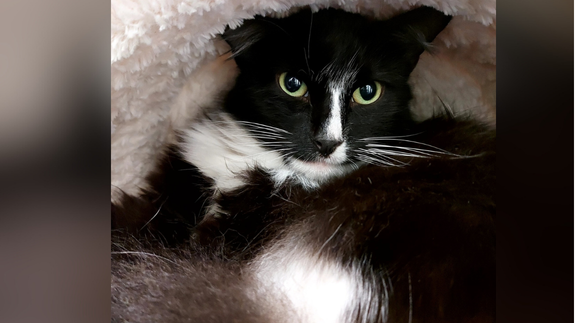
<point x="334" y="124"/>
<point x="338" y="82"/>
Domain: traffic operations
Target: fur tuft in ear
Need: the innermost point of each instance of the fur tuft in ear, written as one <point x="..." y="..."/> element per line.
<point x="257" y="40"/>
<point x="416" y="29"/>
<point x="420" y="25"/>
<point x="244" y="36"/>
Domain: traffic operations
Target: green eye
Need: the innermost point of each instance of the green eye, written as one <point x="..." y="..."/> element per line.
<point x="368" y="93"/>
<point x="292" y="85"/>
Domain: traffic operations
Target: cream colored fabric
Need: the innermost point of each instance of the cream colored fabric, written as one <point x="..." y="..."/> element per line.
<point x="166" y="66"/>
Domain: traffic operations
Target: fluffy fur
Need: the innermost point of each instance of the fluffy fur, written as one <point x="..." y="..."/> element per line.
<point x="413" y="243"/>
<point x="164" y="67"/>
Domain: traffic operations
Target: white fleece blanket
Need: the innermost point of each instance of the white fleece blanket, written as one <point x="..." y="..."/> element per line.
<point x="167" y="65"/>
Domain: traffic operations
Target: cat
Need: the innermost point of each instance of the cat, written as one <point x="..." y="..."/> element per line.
<point x="311" y="88"/>
<point x="315" y="94"/>
<point x="311" y="195"/>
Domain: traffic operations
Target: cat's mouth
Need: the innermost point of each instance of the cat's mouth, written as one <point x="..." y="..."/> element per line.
<point x="322" y="168"/>
<point x="336" y="159"/>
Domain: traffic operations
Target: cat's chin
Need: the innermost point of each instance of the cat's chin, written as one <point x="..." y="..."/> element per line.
<point x="311" y="174"/>
<point x="316" y="169"/>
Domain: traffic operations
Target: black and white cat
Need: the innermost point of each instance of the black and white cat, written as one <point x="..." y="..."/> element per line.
<point x="311" y="194"/>
<point x="318" y="96"/>
<point x="312" y="90"/>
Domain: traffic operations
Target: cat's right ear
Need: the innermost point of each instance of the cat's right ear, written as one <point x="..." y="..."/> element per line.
<point x="244" y="37"/>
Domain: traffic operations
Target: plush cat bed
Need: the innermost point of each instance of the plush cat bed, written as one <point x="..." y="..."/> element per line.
<point x="168" y="63"/>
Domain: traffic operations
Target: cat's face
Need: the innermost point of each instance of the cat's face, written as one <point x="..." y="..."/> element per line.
<point x="316" y="87"/>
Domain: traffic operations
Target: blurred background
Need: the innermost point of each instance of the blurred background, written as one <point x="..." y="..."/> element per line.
<point x="54" y="161"/>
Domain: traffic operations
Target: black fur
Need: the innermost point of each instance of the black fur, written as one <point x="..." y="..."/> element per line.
<point x="171" y="209"/>
<point x="424" y="232"/>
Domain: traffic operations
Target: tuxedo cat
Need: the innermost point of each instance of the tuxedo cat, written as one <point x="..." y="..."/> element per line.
<point x="318" y="96"/>
<point x="312" y="89"/>
<point x="311" y="195"/>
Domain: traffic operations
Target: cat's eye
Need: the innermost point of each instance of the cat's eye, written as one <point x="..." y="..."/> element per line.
<point x="292" y="85"/>
<point x="367" y="93"/>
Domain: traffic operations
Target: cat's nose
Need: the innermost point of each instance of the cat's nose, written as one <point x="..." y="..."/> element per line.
<point x="326" y="146"/>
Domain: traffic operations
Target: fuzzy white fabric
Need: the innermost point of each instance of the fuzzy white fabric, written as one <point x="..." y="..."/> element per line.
<point x="167" y="66"/>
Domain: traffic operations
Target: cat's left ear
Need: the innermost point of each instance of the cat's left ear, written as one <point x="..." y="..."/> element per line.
<point x="416" y="29"/>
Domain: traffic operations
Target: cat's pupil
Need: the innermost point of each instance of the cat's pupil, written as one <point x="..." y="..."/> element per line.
<point x="367" y="91"/>
<point x="292" y="84"/>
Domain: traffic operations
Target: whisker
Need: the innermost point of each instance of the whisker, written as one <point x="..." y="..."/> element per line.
<point x="418" y="143"/>
<point x="412" y="149"/>
<point x="372" y="161"/>
<point x="386" y="156"/>
<point x="255" y="124"/>
<point x="354" y="165"/>
<point x="251" y="128"/>
<point x="264" y="131"/>
<point x="425" y="152"/>
<point x="388" y="137"/>
<point x="157" y="212"/>
<point x="399" y="153"/>
<point x="267" y="143"/>
<point x="263" y="137"/>
<point x="380" y="154"/>
<point x="376" y="161"/>
<point x="255" y="131"/>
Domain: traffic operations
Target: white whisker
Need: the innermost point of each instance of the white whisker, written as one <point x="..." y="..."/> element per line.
<point x="262" y="133"/>
<point x="378" y="154"/>
<point x="419" y="143"/>
<point x="398" y="153"/>
<point x="388" y="137"/>
<point x="157" y="212"/>
<point x="254" y="125"/>
<point x="376" y="161"/>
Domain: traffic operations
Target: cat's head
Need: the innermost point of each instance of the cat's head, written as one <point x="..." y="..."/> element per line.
<point x="315" y="86"/>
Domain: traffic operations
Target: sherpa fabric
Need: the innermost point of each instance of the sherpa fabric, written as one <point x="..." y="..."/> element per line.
<point x="167" y="65"/>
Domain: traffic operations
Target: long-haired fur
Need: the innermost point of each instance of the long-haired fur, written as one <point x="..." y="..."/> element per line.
<point x="410" y="244"/>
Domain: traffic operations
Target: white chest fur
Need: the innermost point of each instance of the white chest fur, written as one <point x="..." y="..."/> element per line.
<point x="222" y="150"/>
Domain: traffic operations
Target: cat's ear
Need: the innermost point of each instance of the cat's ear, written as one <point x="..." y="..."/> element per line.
<point x="416" y="29"/>
<point x="245" y="38"/>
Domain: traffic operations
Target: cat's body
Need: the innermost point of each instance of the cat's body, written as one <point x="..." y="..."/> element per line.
<point x="415" y="243"/>
<point x="313" y="190"/>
